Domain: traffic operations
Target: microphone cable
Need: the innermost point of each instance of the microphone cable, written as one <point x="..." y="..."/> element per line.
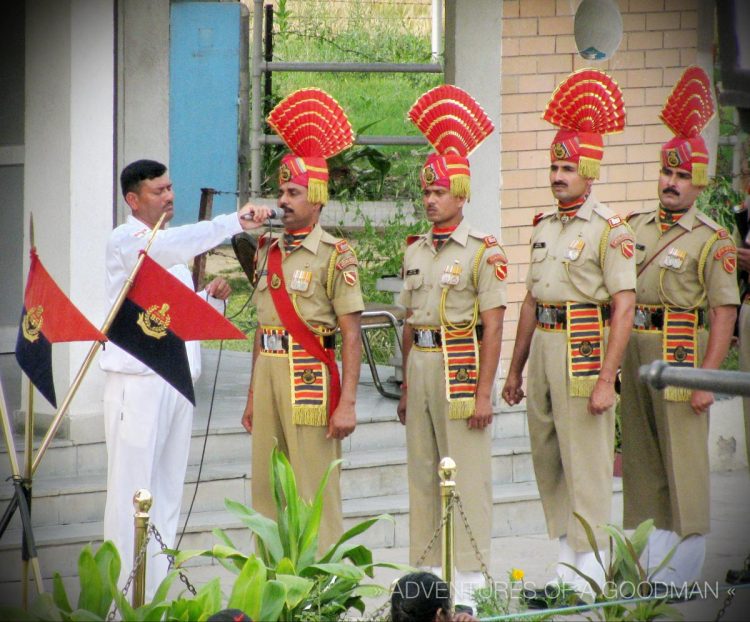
<point x="213" y="394"/>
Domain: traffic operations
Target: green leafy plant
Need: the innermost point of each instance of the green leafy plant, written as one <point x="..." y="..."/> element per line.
<point x="624" y="576"/>
<point x="717" y="201"/>
<point x="97" y="574"/>
<point x="305" y="585"/>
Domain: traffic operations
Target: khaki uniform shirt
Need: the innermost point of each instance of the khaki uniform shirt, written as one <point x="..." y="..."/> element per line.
<point x="677" y="268"/>
<point x="588" y="259"/>
<point x="332" y="290"/>
<point x="465" y="252"/>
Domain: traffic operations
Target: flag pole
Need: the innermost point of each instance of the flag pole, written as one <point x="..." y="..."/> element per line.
<point x="93" y="350"/>
<point x="19" y="498"/>
<point x="28" y="453"/>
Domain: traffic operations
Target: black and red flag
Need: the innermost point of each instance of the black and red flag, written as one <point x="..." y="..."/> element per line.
<point x="158" y="316"/>
<point x="48" y="317"/>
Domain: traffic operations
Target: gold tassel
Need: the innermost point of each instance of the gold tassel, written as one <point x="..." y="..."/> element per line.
<point x="317" y="191"/>
<point x="461" y="186"/>
<point x="582" y="387"/>
<point x="310" y="415"/>
<point x="461" y="409"/>
<point x="700" y="174"/>
<point x="677" y="394"/>
<point x="588" y="167"/>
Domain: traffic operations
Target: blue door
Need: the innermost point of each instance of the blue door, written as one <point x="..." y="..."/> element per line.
<point x="204" y="82"/>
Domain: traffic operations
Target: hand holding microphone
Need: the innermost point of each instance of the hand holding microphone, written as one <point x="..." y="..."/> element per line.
<point x="254" y="216"/>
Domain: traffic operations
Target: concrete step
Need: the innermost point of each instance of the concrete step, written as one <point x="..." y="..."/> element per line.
<point x="377" y="472"/>
<point x="517" y="511"/>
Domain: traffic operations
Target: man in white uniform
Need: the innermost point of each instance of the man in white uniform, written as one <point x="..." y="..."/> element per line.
<point x="148" y="423"/>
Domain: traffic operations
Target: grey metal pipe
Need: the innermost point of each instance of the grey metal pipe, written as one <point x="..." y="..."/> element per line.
<point x="659" y="374"/>
<point x="272" y="139"/>
<point x="255" y="103"/>
<point x="353" y="67"/>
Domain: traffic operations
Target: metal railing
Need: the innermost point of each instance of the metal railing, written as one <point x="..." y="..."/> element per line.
<point x="260" y="66"/>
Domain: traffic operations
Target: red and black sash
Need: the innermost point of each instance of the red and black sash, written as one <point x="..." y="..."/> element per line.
<point x="297" y="328"/>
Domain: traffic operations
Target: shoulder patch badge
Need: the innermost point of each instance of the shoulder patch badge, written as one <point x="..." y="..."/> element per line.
<point x="492" y="259"/>
<point x="490" y="240"/>
<point x="351" y="277"/>
<point x="615" y="221"/>
<point x="347" y="261"/>
<point x="342" y="246"/>
<point x="722" y="234"/>
<point x="728" y="255"/>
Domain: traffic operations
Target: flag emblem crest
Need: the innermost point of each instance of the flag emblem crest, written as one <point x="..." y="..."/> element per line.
<point x="155" y="321"/>
<point x="31" y="325"/>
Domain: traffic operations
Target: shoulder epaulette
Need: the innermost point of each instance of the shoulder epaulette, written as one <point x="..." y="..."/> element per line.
<point x="342" y="246"/>
<point x="537" y="218"/>
<point x="410" y="239"/>
<point x="712" y="224"/>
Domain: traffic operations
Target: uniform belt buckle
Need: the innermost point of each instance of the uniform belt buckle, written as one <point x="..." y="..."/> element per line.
<point x="641" y="319"/>
<point x="426" y="338"/>
<point x="545" y="316"/>
<point x="273" y="342"/>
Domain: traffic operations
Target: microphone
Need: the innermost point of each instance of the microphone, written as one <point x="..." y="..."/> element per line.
<point x="276" y="214"/>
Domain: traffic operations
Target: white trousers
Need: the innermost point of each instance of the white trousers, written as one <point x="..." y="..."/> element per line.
<point x="147" y="427"/>
<point x="686" y="564"/>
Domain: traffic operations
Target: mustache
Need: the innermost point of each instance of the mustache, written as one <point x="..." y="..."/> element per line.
<point x="670" y="191"/>
<point x="559" y="184"/>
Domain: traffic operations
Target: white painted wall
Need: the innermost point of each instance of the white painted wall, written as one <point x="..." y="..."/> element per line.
<point x="143" y="84"/>
<point x="473" y="62"/>
<point x="68" y="176"/>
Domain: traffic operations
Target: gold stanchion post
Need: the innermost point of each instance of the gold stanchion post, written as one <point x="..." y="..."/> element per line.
<point x="447" y="471"/>
<point x="142" y="501"/>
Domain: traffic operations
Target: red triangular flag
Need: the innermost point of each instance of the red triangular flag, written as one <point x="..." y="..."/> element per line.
<point x="48" y="317"/>
<point x="159" y="314"/>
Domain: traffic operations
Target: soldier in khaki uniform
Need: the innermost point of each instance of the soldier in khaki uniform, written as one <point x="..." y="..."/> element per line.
<point x="307" y="286"/>
<point x="454" y="293"/>
<point x="686" y="276"/>
<point x="580" y="281"/>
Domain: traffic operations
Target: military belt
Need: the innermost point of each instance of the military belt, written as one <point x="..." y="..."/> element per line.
<point x="274" y="340"/>
<point x="651" y="317"/>
<point x="555" y="316"/>
<point x="430" y="338"/>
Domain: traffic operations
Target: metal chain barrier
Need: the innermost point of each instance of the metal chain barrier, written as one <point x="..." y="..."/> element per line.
<point x="183" y="577"/>
<point x="378" y="613"/>
<point x="126" y="588"/>
<point x="745" y="572"/>
<point x="475" y="546"/>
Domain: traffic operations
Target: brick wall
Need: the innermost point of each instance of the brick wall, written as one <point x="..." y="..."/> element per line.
<point x="659" y="41"/>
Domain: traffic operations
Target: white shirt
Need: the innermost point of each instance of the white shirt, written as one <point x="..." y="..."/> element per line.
<point x="172" y="249"/>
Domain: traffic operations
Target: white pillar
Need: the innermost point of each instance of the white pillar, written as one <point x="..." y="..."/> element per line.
<point x="69" y="171"/>
<point x="472" y="62"/>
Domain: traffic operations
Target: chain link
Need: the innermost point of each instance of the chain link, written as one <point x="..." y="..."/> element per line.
<point x="170" y="557"/>
<point x="475" y="546"/>
<point x="730" y="593"/>
<point x="136" y="564"/>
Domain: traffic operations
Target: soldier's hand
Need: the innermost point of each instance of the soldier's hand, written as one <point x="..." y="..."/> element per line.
<point x="513" y="389"/>
<point x="602" y="397"/>
<point x="253" y="216"/>
<point x="700" y="401"/>
<point x="219" y="288"/>
<point x="342" y="422"/>
<point x="247" y="416"/>
<point x="482" y="416"/>
<point x="401" y="409"/>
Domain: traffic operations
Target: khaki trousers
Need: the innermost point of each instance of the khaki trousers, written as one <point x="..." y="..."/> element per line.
<point x="665" y="449"/>
<point x="745" y="366"/>
<point x="572" y="450"/>
<point x="308" y="449"/>
<point x="431" y="436"/>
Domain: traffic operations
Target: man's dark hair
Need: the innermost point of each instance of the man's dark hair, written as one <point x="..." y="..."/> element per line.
<point x="418" y="596"/>
<point x="136" y="172"/>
